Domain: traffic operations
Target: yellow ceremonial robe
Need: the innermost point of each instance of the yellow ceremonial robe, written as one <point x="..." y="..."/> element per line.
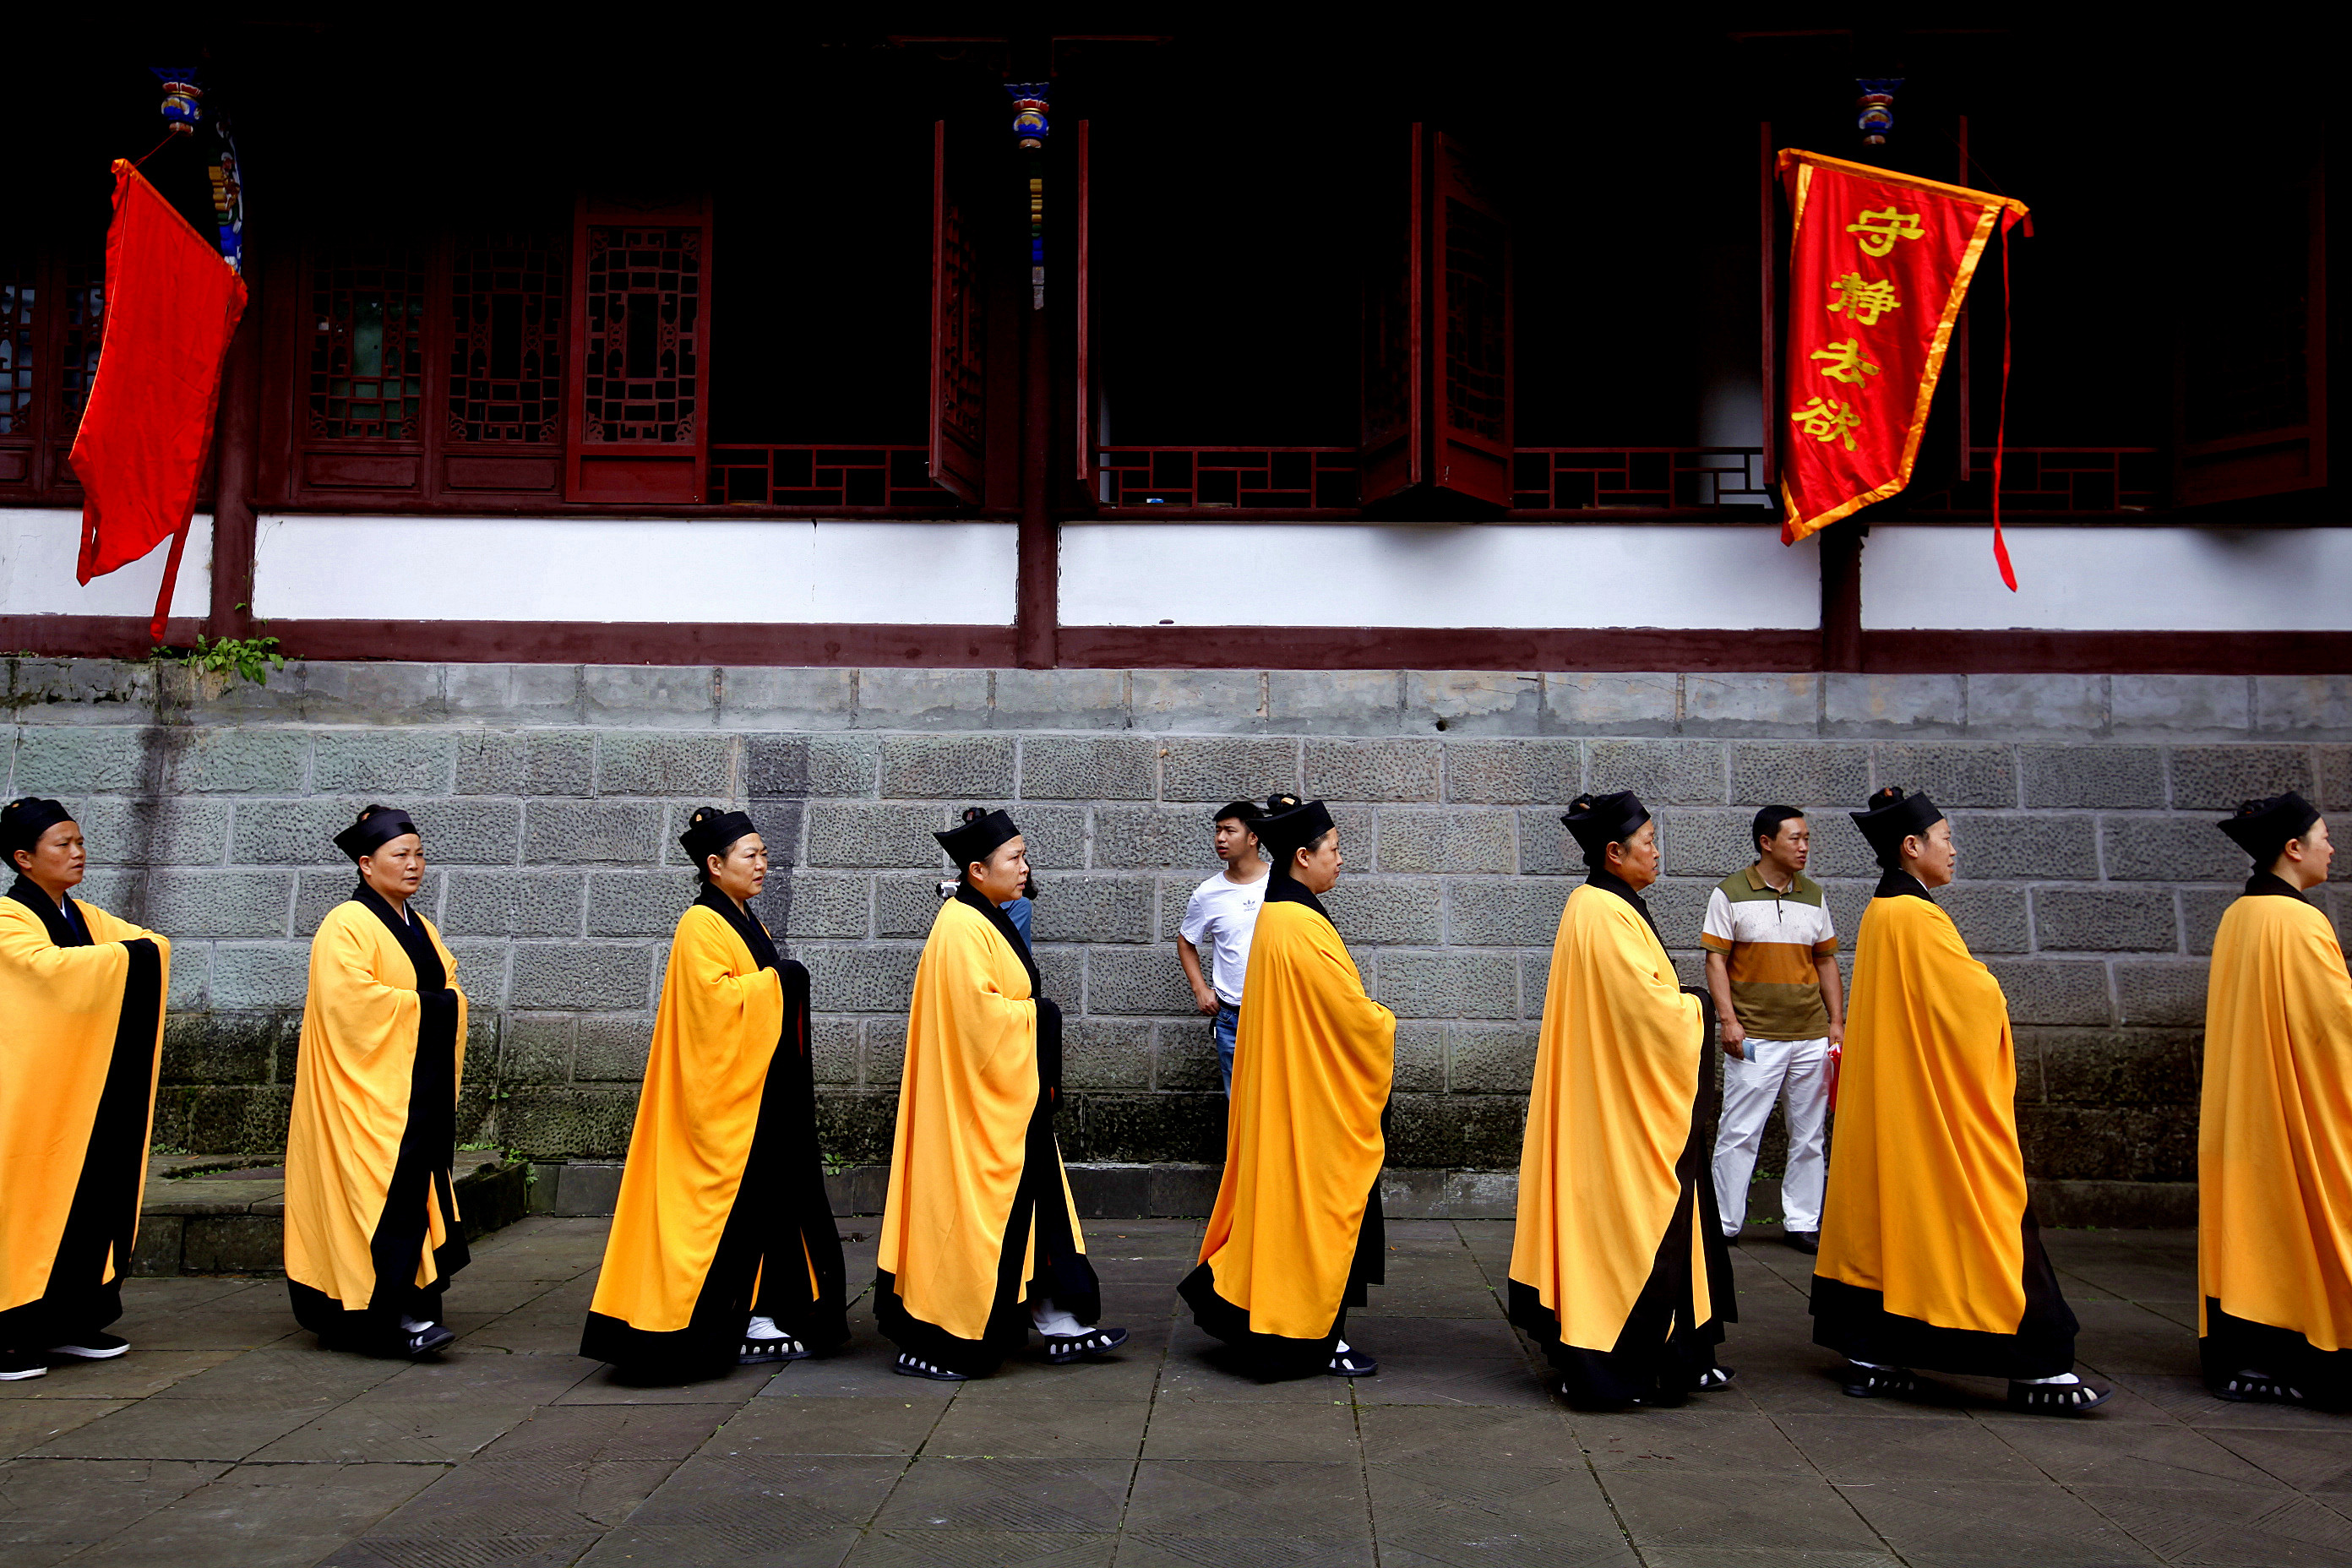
<point x="722" y="1209"/>
<point x="1930" y="1257"/>
<point x="371" y="1219"/>
<point x="979" y="1216"/>
<point x="81" y="1031"/>
<point x="1618" y="1266"/>
<point x="1296" y="1234"/>
<point x="2274" y="1148"/>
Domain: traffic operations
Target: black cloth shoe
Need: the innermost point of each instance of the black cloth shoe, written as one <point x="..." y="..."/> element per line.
<point x="430" y="1339"/>
<point x="1807" y="1242"/>
<point x="1353" y="1362"/>
<point x="2057" y="1399"/>
<point x="92" y="1347"/>
<point x="911" y="1365"/>
<point x="770" y="1351"/>
<point x="1879" y="1382"/>
<point x="17" y="1365"/>
<point x="1093" y="1345"/>
<point x="1713" y="1379"/>
<point x="2251" y="1387"/>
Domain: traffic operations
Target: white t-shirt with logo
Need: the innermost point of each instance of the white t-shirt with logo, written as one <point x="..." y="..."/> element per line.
<point x="1225" y="911"/>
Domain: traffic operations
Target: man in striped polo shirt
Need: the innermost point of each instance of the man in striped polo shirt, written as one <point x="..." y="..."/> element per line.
<point x="1772" y="964"/>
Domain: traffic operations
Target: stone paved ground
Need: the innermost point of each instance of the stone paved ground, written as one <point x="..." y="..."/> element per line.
<point x="226" y="1437"/>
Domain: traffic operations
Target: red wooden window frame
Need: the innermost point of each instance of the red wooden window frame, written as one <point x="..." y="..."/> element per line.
<point x="1437" y="373"/>
<point x="1470" y="318"/>
<point x="1395" y="460"/>
<point x="958" y="428"/>
<point x="487" y="460"/>
<point x="617" y="459"/>
<point x="1083" y="293"/>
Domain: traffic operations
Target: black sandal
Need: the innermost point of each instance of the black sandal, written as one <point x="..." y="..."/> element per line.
<point x="1352" y="1363"/>
<point x="2057" y="1399"/>
<point x="1879" y="1382"/>
<point x="1093" y="1345"/>
<point x="1713" y="1379"/>
<point x="761" y="1353"/>
<point x="911" y="1365"/>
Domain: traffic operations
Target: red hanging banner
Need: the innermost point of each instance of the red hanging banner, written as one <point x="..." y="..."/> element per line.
<point x="172" y="304"/>
<point x="1879" y="265"/>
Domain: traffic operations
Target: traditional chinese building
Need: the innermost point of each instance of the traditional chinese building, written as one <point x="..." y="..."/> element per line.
<point x="878" y="415"/>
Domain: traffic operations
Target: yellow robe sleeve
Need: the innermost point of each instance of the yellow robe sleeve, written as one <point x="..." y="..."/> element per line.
<point x="61" y="1013"/>
<point x="715" y="1036"/>
<point x="1617" y="1063"/>
<point x="1926" y="1193"/>
<point x="2274" y="1139"/>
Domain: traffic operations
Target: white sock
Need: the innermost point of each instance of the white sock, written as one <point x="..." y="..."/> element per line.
<point x="1873" y="1367"/>
<point x="1052" y="1320"/>
<point x="2062" y="1378"/>
<point x="1340" y="1348"/>
<point x="409" y="1325"/>
<point x="764" y="1329"/>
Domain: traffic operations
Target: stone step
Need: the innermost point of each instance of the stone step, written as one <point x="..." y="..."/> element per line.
<point x="589" y="1188"/>
<point x="213" y="1213"/>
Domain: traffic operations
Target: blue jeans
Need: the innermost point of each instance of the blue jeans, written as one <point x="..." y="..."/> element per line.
<point x="1229" y="1018"/>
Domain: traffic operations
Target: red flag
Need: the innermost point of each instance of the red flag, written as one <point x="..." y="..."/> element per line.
<point x="171" y="305"/>
<point x="1880" y="263"/>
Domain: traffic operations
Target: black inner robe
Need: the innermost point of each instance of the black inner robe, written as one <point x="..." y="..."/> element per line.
<point x="1039" y="1203"/>
<point x="427" y="1149"/>
<point x="780" y="1228"/>
<point x="1856" y="1324"/>
<point x="1662" y="1351"/>
<point x="2231" y="1345"/>
<point x="1277" y="1355"/>
<point x="103" y="1218"/>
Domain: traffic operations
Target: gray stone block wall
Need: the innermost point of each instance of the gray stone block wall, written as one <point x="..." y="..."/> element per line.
<point x="2091" y="876"/>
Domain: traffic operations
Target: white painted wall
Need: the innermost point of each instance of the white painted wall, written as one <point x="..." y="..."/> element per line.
<point x="38" y="547"/>
<point x="2110" y="579"/>
<point x="573" y="569"/>
<point x="1463" y="574"/>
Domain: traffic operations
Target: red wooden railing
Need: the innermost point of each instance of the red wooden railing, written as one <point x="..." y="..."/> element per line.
<point x="2037" y="480"/>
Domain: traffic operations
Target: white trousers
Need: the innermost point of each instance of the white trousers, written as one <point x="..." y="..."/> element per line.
<point x="1796" y="1073"/>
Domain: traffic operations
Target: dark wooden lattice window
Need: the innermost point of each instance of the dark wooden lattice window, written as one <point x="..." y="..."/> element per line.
<point x="367" y="344"/>
<point x="82" y="315"/>
<point x="2253" y="394"/>
<point x="505" y="352"/>
<point x="52" y="303"/>
<point x="638" y="428"/>
<point x="19" y="367"/>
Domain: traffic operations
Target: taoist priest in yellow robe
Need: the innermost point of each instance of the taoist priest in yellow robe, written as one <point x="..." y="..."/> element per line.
<point x="1930" y="1257"/>
<point x="1296" y="1234"/>
<point x="723" y="1249"/>
<point x="82" y="1032"/>
<point x="372" y="1235"/>
<point x="1619" y="1267"/>
<point x="980" y="1239"/>
<point x="2274" y="1137"/>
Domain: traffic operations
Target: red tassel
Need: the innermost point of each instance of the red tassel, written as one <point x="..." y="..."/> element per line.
<point x="171" y="580"/>
<point x="2000" y="422"/>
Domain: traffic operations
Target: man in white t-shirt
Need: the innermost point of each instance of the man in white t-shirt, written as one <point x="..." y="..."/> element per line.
<point x="1221" y="916"/>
